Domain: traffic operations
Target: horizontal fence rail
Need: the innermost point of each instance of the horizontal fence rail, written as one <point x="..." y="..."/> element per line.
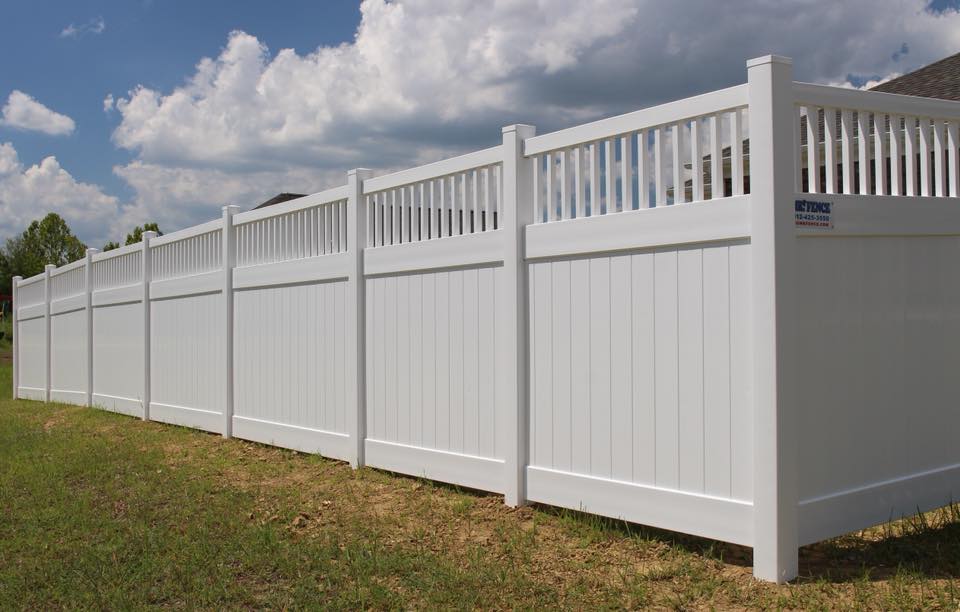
<point x="871" y="143"/>
<point x="450" y="198"/>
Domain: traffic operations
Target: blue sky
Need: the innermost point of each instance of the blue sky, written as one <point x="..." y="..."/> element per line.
<point x="220" y="102"/>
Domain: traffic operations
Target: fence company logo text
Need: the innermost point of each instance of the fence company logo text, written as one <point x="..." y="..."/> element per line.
<point x="808" y="213"/>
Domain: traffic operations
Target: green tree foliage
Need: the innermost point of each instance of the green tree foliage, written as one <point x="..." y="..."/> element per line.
<point x="46" y="241"/>
<point x="111" y="245"/>
<point x="137" y="234"/>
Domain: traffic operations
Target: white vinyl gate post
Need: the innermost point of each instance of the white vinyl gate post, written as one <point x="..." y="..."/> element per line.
<point x="16" y="341"/>
<point x="228" y="257"/>
<point x="356" y="315"/>
<point x="512" y="359"/>
<point x="146" y="269"/>
<point x="773" y="246"/>
<point x="88" y="303"/>
<point x="47" y="269"/>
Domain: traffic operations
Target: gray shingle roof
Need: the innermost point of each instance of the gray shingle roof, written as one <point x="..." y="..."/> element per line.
<point x="938" y="80"/>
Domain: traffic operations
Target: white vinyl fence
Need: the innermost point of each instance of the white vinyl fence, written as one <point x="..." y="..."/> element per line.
<point x="734" y="315"/>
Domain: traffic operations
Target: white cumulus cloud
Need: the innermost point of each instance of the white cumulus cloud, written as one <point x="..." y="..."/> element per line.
<point x="30" y="192"/>
<point x="424" y="79"/>
<point x="23" y="112"/>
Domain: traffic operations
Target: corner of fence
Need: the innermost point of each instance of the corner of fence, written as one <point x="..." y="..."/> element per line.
<point x="773" y="238"/>
<point x="146" y="272"/>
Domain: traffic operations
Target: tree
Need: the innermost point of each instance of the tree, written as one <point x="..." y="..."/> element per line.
<point x="46" y="241"/>
<point x="137" y="234"/>
<point x="111" y="245"/>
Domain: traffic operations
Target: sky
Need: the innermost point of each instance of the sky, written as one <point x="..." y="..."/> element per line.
<point x="114" y="113"/>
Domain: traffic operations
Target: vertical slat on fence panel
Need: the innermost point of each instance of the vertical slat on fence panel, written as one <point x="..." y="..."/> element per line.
<point x="565" y="184"/>
<point x="88" y="305"/>
<point x="813" y="151"/>
<point x="595" y="208"/>
<point x="716" y="155"/>
<point x="863" y="151"/>
<point x="626" y="171"/>
<point x="609" y="153"/>
<point x="15" y="382"/>
<point x="879" y="154"/>
<point x="953" y="144"/>
<point x="829" y="150"/>
<point x="910" y="154"/>
<point x="679" y="191"/>
<point x="579" y="176"/>
<point x="552" y="212"/>
<point x="736" y="147"/>
<point x="797" y="144"/>
<point x="696" y="158"/>
<point x="896" y="150"/>
<point x="925" y="148"/>
<point x="939" y="148"/>
<point x="228" y="246"/>
<point x="659" y="166"/>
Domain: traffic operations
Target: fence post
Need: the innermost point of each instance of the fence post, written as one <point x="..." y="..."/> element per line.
<point x="228" y="257"/>
<point x="146" y="271"/>
<point x="773" y="247"/>
<point x="16" y="335"/>
<point x="48" y="341"/>
<point x="512" y="358"/>
<point x="88" y="281"/>
<point x="356" y="314"/>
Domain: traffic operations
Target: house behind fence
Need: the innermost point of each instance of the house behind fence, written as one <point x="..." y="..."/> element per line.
<point x="640" y="317"/>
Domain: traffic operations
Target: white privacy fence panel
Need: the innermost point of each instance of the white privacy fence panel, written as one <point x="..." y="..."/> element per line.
<point x="188" y="252"/>
<point x="118" y="357"/>
<point x="641" y="368"/>
<point x="454" y="197"/>
<point x="872" y="143"/>
<point x="309" y="230"/>
<point x="291" y="379"/>
<point x="686" y="151"/>
<point x="118" y="268"/>
<point x="187" y="360"/>
<point x="31" y="356"/>
<point x="430" y="360"/>
<point x="68" y="356"/>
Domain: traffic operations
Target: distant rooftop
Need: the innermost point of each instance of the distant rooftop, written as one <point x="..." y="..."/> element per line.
<point x="938" y="80"/>
<point x="278" y="199"/>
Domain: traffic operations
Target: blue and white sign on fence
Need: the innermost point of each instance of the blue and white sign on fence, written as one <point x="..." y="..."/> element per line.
<point x="810" y="213"/>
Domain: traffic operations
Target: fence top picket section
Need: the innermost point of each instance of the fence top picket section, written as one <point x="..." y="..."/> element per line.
<point x="73" y="265"/>
<point x="664" y="114"/>
<point x="440" y="169"/>
<point x="118" y="252"/>
<point x="329" y="196"/>
<point x="30" y="281"/>
<point x="190" y="232"/>
<point x="875" y="101"/>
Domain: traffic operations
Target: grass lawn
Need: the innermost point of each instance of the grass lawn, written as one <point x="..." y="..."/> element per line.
<point x="100" y="510"/>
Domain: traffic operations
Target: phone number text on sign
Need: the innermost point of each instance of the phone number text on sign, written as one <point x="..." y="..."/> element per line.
<point x="809" y="213"/>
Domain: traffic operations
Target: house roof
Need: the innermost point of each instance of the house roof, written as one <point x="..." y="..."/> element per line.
<point x="278" y="199"/>
<point x="938" y="80"/>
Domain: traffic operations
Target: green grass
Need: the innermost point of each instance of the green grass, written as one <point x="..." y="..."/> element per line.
<point x="103" y="511"/>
